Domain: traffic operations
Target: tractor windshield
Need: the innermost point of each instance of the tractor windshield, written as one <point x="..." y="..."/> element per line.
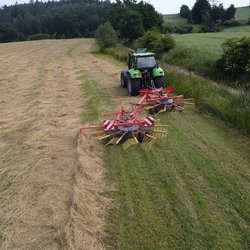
<point x="146" y="62"/>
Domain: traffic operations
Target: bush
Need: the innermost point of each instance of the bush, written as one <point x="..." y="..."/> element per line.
<point x="183" y="29"/>
<point x="235" y="60"/>
<point x="39" y="37"/>
<point x="106" y="35"/>
<point x="21" y="37"/>
<point x="169" y="28"/>
<point x="231" y="23"/>
<point x="156" y="42"/>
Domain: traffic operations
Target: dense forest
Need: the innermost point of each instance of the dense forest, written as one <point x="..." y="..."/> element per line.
<point x="76" y="18"/>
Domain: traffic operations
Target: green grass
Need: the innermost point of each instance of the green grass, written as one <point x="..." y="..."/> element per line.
<point x="199" y="52"/>
<point x="191" y="191"/>
<point x="242" y="14"/>
<point x="94" y="102"/>
<point x="218" y="100"/>
<point x="210" y="43"/>
<point x="174" y="19"/>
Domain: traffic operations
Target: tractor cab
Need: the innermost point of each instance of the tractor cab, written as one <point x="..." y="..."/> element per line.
<point x="142" y="61"/>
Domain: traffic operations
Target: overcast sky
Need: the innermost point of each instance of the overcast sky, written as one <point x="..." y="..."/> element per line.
<point x="162" y="6"/>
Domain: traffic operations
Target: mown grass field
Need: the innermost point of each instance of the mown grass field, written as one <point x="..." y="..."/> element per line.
<point x="190" y="191"/>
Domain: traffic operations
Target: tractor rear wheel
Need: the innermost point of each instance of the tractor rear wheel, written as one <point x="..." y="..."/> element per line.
<point x="123" y="81"/>
<point x="159" y="82"/>
<point x="134" y="85"/>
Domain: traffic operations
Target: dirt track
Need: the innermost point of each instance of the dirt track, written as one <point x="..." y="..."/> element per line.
<point x="42" y="188"/>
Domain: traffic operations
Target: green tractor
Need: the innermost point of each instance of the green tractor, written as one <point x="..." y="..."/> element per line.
<point x="143" y="72"/>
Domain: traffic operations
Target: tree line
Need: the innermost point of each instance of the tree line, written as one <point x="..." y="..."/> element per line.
<point x="76" y="18"/>
<point x="210" y="15"/>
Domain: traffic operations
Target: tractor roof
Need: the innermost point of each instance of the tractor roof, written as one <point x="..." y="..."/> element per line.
<point x="142" y="54"/>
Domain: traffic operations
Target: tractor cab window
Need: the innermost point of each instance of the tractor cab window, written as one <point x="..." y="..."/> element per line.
<point x="146" y="62"/>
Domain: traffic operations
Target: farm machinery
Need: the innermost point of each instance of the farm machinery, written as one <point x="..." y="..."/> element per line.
<point x="129" y="127"/>
<point x="144" y="76"/>
<point x="138" y="125"/>
<point x="160" y="100"/>
<point x="143" y="72"/>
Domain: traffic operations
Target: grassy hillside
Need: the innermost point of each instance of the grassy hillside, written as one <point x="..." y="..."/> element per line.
<point x="174" y="19"/>
<point x="199" y="51"/>
<point x="242" y="14"/>
<point x="190" y="191"/>
<point x="210" y="42"/>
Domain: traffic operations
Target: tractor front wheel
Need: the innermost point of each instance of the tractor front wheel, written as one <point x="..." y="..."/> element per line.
<point x="159" y="82"/>
<point x="134" y="85"/>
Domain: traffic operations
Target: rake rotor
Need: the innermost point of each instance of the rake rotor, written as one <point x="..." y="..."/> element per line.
<point x="159" y="100"/>
<point x="128" y="128"/>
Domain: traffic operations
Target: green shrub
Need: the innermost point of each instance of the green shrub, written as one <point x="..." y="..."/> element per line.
<point x="231" y="23"/>
<point x="156" y="42"/>
<point x="21" y="37"/>
<point x="39" y="37"/>
<point x="169" y="28"/>
<point x="235" y="60"/>
<point x="232" y="108"/>
<point x="183" y="29"/>
<point x="106" y="35"/>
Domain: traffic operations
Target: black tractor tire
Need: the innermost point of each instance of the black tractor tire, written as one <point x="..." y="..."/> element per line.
<point x="123" y="79"/>
<point x="134" y="85"/>
<point x="159" y="82"/>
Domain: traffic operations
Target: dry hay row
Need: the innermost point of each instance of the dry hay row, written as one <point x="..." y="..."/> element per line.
<point x="86" y="227"/>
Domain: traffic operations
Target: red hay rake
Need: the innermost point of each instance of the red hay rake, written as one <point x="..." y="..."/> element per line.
<point x="129" y="127"/>
<point x="159" y="100"/>
<point x="134" y="126"/>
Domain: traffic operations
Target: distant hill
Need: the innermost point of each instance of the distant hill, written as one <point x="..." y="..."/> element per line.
<point x="174" y="19"/>
<point x="242" y="14"/>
